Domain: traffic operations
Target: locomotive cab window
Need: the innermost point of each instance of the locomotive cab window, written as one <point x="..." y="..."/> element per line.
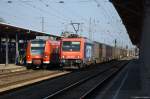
<point x="71" y="46"/>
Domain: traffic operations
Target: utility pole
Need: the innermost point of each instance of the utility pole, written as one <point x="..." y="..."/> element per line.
<point x="115" y="43"/>
<point x="90" y="30"/>
<point x="94" y="23"/>
<point x="42" y="24"/>
<point x="81" y="28"/>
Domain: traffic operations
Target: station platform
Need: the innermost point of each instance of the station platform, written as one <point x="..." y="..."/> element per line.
<point x="133" y="82"/>
<point x="11" y="68"/>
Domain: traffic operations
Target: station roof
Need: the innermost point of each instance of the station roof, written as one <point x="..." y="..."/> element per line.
<point x="11" y="31"/>
<point x="131" y="12"/>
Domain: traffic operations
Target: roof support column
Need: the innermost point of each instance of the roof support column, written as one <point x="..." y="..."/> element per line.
<point x="0" y="50"/>
<point x="17" y="52"/>
<point x="145" y="39"/>
<point x="145" y="49"/>
<point x="6" y="43"/>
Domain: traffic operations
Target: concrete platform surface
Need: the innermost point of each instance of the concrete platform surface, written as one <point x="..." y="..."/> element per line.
<point x="131" y="83"/>
<point x="11" y="68"/>
<point x="18" y="81"/>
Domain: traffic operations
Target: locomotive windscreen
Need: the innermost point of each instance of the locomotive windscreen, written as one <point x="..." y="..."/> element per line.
<point x="37" y="47"/>
<point x="71" y="46"/>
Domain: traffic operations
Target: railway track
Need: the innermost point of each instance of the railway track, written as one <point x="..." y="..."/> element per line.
<point x="23" y="78"/>
<point x="73" y="85"/>
<point x="99" y="84"/>
<point x="10" y="79"/>
<point x="85" y="86"/>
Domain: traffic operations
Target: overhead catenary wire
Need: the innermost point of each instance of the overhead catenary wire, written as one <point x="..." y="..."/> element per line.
<point x="41" y="9"/>
<point x="61" y="20"/>
<point x="23" y="3"/>
<point x="45" y="11"/>
<point x="21" y="18"/>
<point x="119" y="23"/>
<point x="105" y="12"/>
<point x="54" y="10"/>
<point x="76" y="14"/>
<point x="119" y="36"/>
<point x="71" y="10"/>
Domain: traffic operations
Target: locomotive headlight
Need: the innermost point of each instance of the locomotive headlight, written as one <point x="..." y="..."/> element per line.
<point x="28" y="56"/>
<point x="78" y="56"/>
<point x="46" y="56"/>
<point x="63" y="56"/>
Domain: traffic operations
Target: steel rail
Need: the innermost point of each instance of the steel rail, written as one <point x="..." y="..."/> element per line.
<point x="78" y="82"/>
<point x="99" y="84"/>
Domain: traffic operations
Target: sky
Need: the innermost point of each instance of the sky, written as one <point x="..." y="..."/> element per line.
<point x="98" y="19"/>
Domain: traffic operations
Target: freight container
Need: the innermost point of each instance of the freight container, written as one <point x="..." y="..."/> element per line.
<point x="96" y="55"/>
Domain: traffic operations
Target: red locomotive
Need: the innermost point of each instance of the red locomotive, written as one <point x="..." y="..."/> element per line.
<point x="42" y="53"/>
<point x="76" y="52"/>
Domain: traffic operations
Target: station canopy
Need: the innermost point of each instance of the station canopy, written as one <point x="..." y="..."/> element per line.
<point x="131" y="12"/>
<point x="11" y="31"/>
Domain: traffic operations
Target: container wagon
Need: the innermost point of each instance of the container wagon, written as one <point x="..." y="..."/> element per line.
<point x="97" y="52"/>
